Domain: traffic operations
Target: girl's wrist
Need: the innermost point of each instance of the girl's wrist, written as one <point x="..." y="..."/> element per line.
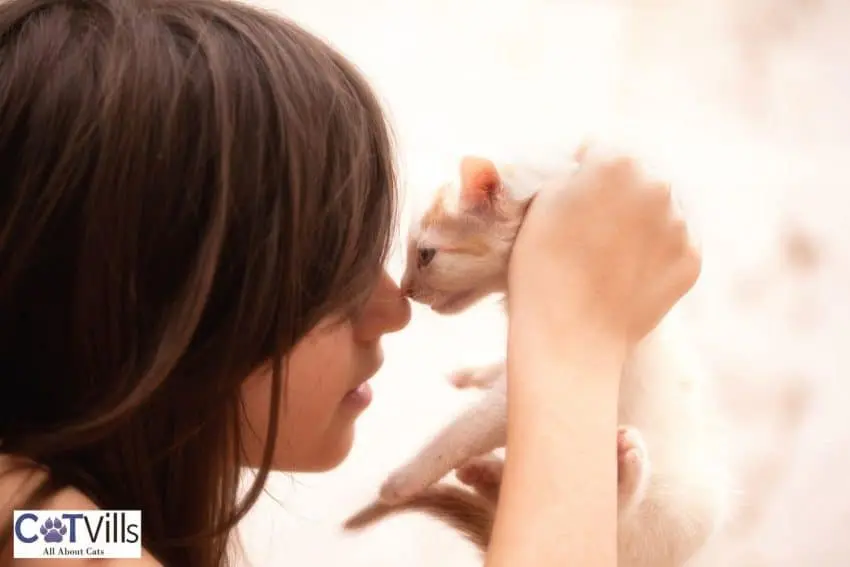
<point x="571" y="325"/>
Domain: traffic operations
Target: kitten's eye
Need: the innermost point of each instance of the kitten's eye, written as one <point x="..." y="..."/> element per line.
<point x="426" y="255"/>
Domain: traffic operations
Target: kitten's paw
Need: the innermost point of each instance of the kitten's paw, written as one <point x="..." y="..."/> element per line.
<point x="633" y="471"/>
<point x="400" y="486"/>
<point x="474" y="377"/>
<point x="484" y="474"/>
<point x="481" y="471"/>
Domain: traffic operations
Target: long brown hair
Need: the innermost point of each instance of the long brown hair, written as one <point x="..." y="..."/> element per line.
<point x="186" y="188"/>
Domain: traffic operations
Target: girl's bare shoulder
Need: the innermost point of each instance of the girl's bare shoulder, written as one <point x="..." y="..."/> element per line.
<point x="18" y="480"/>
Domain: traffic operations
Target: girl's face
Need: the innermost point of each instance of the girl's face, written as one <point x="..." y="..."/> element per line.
<point x="325" y="386"/>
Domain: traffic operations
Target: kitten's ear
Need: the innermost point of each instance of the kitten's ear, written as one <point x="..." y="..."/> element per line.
<point x="479" y="181"/>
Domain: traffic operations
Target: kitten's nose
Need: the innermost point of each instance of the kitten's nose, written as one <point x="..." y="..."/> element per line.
<point x="406" y="288"/>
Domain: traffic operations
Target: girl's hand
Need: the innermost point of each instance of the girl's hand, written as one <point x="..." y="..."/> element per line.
<point x="606" y="244"/>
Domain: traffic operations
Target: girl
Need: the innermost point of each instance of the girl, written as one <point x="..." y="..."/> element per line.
<point x="197" y="200"/>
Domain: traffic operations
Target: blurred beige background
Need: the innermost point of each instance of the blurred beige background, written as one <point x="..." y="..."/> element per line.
<point x="747" y="105"/>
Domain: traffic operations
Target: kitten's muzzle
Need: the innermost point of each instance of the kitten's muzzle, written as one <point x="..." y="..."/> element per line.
<point x="416" y="295"/>
<point x="406" y="286"/>
<point x="455" y="303"/>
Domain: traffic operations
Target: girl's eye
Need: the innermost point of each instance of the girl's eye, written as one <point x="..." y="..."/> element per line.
<point x="426" y="255"/>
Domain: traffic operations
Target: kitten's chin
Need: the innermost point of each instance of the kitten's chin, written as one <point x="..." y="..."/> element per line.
<point x="455" y="303"/>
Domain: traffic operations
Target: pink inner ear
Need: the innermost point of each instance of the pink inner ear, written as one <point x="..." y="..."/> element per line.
<point x="479" y="180"/>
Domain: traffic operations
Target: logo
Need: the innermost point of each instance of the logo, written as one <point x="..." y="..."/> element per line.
<point x="74" y="534"/>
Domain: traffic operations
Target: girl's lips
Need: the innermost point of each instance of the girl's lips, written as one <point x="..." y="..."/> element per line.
<point x="359" y="397"/>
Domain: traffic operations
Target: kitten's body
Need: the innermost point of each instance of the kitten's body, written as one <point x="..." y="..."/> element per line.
<point x="672" y="486"/>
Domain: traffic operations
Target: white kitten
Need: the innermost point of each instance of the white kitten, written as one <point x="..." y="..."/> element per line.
<point x="673" y="484"/>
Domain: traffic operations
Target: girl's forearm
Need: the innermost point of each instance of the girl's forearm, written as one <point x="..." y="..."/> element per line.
<point x="558" y="501"/>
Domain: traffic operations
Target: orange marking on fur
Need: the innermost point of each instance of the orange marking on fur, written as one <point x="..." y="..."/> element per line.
<point x="477" y="245"/>
<point x="436" y="211"/>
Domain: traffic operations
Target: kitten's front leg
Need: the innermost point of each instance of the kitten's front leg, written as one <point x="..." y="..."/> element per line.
<point x="478" y="376"/>
<point x="633" y="469"/>
<point x="479" y="430"/>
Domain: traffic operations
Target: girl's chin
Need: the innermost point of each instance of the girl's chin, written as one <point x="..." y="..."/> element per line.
<point x="333" y="455"/>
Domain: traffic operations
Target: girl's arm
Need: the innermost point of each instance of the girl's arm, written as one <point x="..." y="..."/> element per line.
<point x="558" y="502"/>
<point x="596" y="265"/>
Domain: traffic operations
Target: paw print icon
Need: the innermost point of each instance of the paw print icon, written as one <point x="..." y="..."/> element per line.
<point x="53" y="530"/>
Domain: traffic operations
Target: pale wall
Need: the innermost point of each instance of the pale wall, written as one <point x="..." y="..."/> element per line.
<point x="749" y="109"/>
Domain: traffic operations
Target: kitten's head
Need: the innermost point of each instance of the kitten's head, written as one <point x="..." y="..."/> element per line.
<point x="458" y="248"/>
